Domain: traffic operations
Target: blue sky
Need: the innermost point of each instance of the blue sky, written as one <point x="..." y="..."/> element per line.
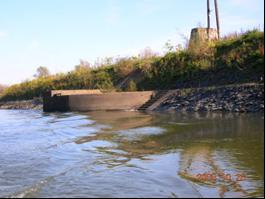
<point x="58" y="33"/>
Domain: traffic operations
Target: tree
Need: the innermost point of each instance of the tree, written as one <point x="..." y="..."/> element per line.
<point x="42" y="71"/>
<point x="169" y="46"/>
<point x="2" y="88"/>
<point x="147" y="53"/>
<point x="84" y="63"/>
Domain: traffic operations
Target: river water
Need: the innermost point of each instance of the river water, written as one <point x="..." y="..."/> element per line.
<point x="131" y="154"/>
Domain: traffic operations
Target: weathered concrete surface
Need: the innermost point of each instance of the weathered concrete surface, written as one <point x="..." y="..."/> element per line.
<point x="109" y="101"/>
<point x="74" y="92"/>
<point x="200" y="36"/>
<point x="56" y="103"/>
<point x="158" y="102"/>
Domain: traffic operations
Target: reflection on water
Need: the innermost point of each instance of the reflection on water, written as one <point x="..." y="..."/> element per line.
<point x="131" y="154"/>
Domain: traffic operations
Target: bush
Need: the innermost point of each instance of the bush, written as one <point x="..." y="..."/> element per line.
<point x="132" y="86"/>
<point x="241" y="52"/>
<point x="102" y="80"/>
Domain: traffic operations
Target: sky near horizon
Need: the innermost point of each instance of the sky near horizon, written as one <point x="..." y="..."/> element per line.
<point x="58" y="33"/>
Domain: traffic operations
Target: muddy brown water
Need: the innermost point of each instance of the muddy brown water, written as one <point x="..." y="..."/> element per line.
<point x="131" y="154"/>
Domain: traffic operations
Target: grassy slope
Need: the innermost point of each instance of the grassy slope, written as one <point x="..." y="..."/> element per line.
<point x="235" y="59"/>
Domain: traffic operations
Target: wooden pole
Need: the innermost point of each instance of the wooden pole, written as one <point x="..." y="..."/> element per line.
<point x="217" y="18"/>
<point x="208" y="18"/>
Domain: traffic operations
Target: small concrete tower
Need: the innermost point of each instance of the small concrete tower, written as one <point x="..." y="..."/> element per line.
<point x="202" y="35"/>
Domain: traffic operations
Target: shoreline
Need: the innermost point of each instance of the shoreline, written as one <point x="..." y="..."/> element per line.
<point x="35" y="104"/>
<point x="242" y="98"/>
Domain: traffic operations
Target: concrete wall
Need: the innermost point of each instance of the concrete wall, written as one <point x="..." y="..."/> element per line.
<point x="74" y="92"/>
<point x="56" y="103"/>
<point x="109" y="101"/>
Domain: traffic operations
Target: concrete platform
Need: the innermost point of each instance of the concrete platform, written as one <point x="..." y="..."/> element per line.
<point x="73" y="92"/>
<point x="93" y="100"/>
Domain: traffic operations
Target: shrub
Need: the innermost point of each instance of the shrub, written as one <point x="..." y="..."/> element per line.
<point x="132" y="86"/>
<point x="242" y="52"/>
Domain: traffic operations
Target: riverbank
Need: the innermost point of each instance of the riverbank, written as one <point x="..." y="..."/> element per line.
<point x="234" y="59"/>
<point x="232" y="98"/>
<point x="243" y="98"/>
<point x="36" y="104"/>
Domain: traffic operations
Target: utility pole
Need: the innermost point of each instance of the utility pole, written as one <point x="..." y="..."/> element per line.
<point x="208" y="18"/>
<point x="217" y="18"/>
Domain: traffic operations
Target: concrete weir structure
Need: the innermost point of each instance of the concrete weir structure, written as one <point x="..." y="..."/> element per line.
<point x="93" y="100"/>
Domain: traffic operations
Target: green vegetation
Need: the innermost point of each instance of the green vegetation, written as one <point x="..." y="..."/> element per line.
<point x="132" y="86"/>
<point x="234" y="59"/>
